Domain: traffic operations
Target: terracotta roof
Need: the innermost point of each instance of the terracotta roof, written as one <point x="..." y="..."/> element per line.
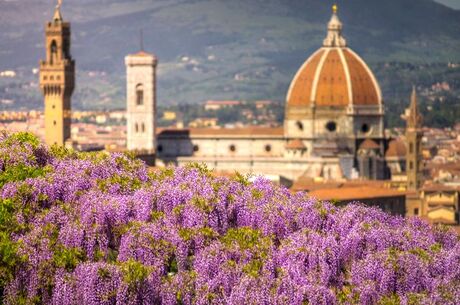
<point x="355" y="193"/>
<point x="295" y="144"/>
<point x="396" y="148"/>
<point x="334" y="77"/>
<point x="143" y="54"/>
<point x="440" y="188"/>
<point x="369" y="144"/>
<point x="233" y="132"/>
<point x="308" y="184"/>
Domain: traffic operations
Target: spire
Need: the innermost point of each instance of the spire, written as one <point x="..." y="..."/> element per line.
<point x="334" y="31"/>
<point x="414" y="119"/>
<point x="141" y="39"/>
<point x="57" y="12"/>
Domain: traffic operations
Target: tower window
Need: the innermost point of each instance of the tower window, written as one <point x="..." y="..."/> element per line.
<point x="411" y="165"/>
<point x="53" y="52"/>
<point x="299" y="125"/>
<point x="140" y="94"/>
<point x="331" y="126"/>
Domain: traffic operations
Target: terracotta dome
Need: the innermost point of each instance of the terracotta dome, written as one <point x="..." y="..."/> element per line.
<point x="334" y="76"/>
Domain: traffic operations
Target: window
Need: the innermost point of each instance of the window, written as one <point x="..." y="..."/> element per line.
<point x="232" y="148"/>
<point x="136" y="128"/>
<point x="143" y="128"/>
<point x="416" y="211"/>
<point x="268" y="148"/>
<point x="54" y="123"/>
<point x="299" y="125"/>
<point x="140" y="94"/>
<point x="53" y="52"/>
<point x="411" y="165"/>
<point x="331" y="126"/>
<point x="160" y="148"/>
<point x="411" y="148"/>
<point x="196" y="148"/>
<point x="365" y="128"/>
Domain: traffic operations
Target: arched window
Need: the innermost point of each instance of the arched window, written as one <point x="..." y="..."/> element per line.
<point x="365" y="128"/>
<point x="140" y="94"/>
<point x="411" y="147"/>
<point x="53" y="52"/>
<point x="143" y="128"/>
<point x="136" y="128"/>
<point x="299" y="125"/>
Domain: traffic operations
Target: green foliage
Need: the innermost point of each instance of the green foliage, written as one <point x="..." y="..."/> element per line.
<point x="390" y="300"/>
<point x="126" y="183"/>
<point x="61" y="152"/>
<point x="201" y="167"/>
<point x="253" y="267"/>
<point x="173" y="268"/>
<point x="162" y="174"/>
<point x="9" y="256"/>
<point x="68" y="258"/>
<point x="134" y="272"/>
<point x="22" y="138"/>
<point x="21" y="172"/>
<point x="246" y="239"/>
<point x="243" y="179"/>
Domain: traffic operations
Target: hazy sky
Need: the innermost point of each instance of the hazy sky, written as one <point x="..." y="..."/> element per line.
<point x="452" y="3"/>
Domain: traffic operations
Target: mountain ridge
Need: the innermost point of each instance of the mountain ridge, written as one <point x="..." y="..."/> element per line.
<point x="212" y="49"/>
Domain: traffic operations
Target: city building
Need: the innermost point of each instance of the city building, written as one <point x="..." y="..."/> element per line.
<point x="333" y="125"/>
<point x="57" y="79"/>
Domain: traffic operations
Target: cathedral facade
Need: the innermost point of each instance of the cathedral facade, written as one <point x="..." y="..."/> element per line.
<point x="333" y="126"/>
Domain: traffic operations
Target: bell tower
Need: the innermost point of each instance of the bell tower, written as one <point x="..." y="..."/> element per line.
<point x="141" y="102"/>
<point x="57" y="79"/>
<point x="414" y="136"/>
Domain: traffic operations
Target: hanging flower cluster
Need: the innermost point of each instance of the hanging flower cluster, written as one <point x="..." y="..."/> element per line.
<point x="79" y="229"/>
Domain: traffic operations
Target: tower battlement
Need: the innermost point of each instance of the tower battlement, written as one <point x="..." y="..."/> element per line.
<point x="57" y="80"/>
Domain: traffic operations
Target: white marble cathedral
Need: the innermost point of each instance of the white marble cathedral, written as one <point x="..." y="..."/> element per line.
<point x="333" y="125"/>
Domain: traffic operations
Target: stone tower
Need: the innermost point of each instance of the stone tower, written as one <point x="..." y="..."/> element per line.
<point x="414" y="135"/>
<point x="57" y="79"/>
<point x="141" y="102"/>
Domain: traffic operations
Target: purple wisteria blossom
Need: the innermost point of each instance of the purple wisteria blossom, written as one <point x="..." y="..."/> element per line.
<point x="100" y="229"/>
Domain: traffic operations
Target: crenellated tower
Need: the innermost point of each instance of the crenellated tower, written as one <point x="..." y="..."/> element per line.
<point x="57" y="79"/>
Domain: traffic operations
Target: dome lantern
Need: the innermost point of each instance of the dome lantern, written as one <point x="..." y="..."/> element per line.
<point x="334" y="36"/>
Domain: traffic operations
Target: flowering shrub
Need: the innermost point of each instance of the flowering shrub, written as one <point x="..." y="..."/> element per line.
<point x="100" y="229"/>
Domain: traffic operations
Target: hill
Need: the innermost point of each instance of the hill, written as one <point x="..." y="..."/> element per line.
<point x="216" y="49"/>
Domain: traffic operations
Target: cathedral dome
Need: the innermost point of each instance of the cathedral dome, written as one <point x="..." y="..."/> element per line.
<point x="334" y="76"/>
